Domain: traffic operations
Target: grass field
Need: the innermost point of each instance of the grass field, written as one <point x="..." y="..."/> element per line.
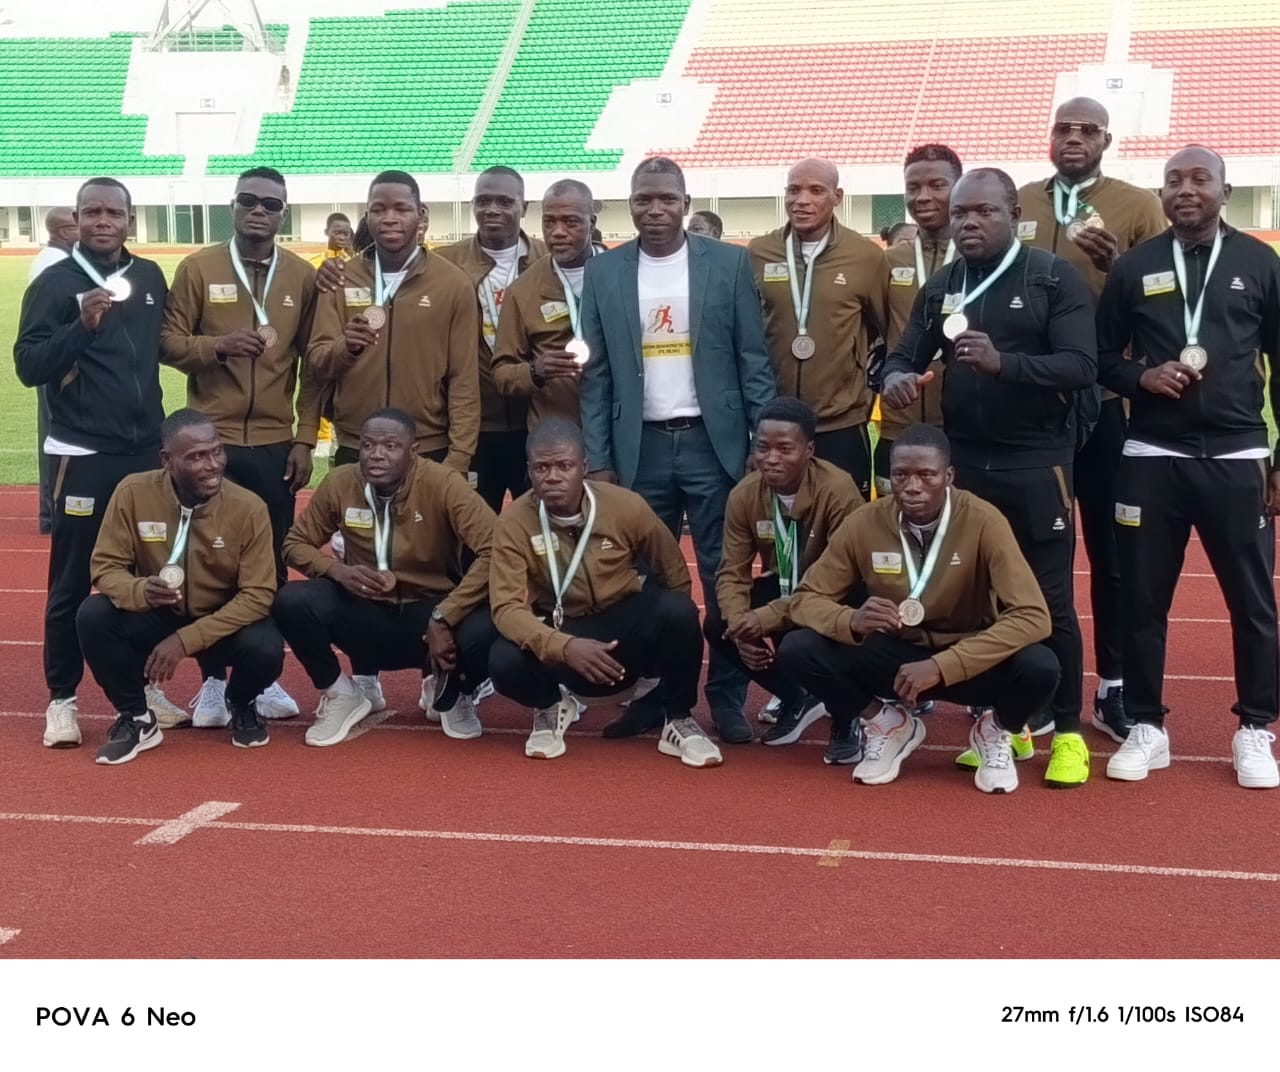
<point x="18" y="403"/>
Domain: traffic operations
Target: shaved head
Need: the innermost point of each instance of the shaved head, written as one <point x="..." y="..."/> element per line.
<point x="1192" y="156"/>
<point x="815" y="167"/>
<point x="1082" y="110"/>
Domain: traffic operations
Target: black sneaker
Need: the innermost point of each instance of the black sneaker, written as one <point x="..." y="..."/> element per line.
<point x="248" y="728"/>
<point x="129" y="735"/>
<point x="1041" y="723"/>
<point x="639" y="716"/>
<point x="732" y="727"/>
<point x="794" y="719"/>
<point x="845" y="745"/>
<point x="1109" y="716"/>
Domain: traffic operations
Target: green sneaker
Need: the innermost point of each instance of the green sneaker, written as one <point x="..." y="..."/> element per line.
<point x="1069" y="763"/>
<point x="1023" y="749"/>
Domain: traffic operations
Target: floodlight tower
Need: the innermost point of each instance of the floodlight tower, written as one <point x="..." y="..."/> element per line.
<point x="178" y="17"/>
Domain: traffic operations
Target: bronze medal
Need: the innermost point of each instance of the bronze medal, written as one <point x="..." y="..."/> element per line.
<point x="172" y="575"/>
<point x="376" y="317"/>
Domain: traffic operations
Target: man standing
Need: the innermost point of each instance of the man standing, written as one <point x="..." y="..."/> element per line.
<point x="1015" y="326"/>
<point x="706" y="222"/>
<point x="576" y="615"/>
<point x="237" y="322"/>
<point x="401" y="331"/>
<point x="60" y="224"/>
<point x="540" y="353"/>
<point x="493" y="258"/>
<point x="1201" y="305"/>
<point x="823" y="289"/>
<point x="398" y="598"/>
<point x="1089" y="219"/>
<point x="183" y="567"/>
<point x="337" y="232"/>
<point x="952" y="612"/>
<point x="930" y="171"/>
<point x="677" y="375"/>
<point x="784" y="514"/>
<point x="90" y="333"/>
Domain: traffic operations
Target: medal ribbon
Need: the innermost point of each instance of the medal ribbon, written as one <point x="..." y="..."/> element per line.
<point x="1065" y="213"/>
<point x="784" y="546"/>
<point x="258" y="309"/>
<point x="180" y="538"/>
<point x="985" y="285"/>
<point x="1191" y="318"/>
<point x="947" y="259"/>
<point x="383" y="294"/>
<point x="381" y="531"/>
<point x="800" y="300"/>
<point x="559" y="589"/>
<point x="919" y="578"/>
<point x="92" y="272"/>
<point x="570" y="299"/>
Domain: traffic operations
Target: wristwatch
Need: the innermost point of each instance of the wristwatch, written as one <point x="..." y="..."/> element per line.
<point x="436" y="616"/>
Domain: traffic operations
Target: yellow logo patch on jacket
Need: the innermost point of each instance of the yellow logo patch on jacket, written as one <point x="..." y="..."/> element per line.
<point x="223" y="293"/>
<point x="902" y="277"/>
<point x="78" y="506"/>
<point x="153" y="531"/>
<point x="886" y="561"/>
<point x="357" y="296"/>
<point x="356" y="518"/>
<point x="540" y="544"/>
<point x="553" y="311"/>
<point x="776" y="273"/>
<point x="764" y="529"/>
<point x="1158" y="283"/>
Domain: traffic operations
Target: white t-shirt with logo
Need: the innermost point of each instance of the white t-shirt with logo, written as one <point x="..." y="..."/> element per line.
<point x="506" y="265"/>
<point x="666" y="343"/>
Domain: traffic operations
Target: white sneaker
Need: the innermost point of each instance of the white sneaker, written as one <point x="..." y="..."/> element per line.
<point x="210" y="705"/>
<point x="996" y="772"/>
<point x="887" y="740"/>
<point x="461" y="722"/>
<point x="339" y="546"/>
<point x="274" y="703"/>
<point x="371" y="686"/>
<point x="168" y="714"/>
<point x="769" y="712"/>
<point x="61" y="730"/>
<point x="342" y="705"/>
<point x="683" y="737"/>
<point x="1145" y="749"/>
<point x="549" y="724"/>
<point x="1251" y="756"/>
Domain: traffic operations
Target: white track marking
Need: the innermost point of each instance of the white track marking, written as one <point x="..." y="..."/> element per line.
<point x="198" y="818"/>
<point x="188" y="822"/>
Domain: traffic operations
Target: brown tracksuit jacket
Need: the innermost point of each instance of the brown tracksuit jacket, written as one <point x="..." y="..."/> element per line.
<point x="229" y="562"/>
<point x="535" y="320"/>
<point x="847" y="313"/>
<point x="903" y="288"/>
<point x="826" y="497"/>
<point x="424" y="361"/>
<point x="433" y="516"/>
<point x="251" y="402"/>
<point x="982" y="604"/>
<point x="498" y="413"/>
<point x="520" y="584"/>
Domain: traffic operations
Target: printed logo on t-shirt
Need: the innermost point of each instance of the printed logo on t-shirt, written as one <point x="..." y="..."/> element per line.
<point x="153" y="531"/>
<point x="1128" y="515"/>
<point x="220" y="293"/>
<point x="78" y="506"/>
<point x="1027" y="230"/>
<point x="358" y="518"/>
<point x="902" y="277"/>
<point x="886" y="562"/>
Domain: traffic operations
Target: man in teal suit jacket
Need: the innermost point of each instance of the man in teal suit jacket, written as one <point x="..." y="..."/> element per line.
<point x="677" y="374"/>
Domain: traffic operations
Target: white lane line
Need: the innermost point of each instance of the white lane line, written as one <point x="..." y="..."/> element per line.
<point x="8" y="934"/>
<point x="24" y="591"/>
<point x="187" y="823"/>
<point x="23" y="643"/>
<point x="98" y="820"/>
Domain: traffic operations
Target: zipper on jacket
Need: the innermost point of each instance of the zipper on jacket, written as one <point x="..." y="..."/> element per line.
<point x="253" y="365"/>
<point x="391" y="319"/>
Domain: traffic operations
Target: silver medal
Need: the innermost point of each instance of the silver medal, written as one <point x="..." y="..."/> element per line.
<point x="1194" y="357"/>
<point x="955" y="325"/>
<point x="803" y="347"/>
<point x="376" y="317"/>
<point x="911" y="612"/>
<point x="580" y="350"/>
<point x="172" y="575"/>
<point x="119" y="288"/>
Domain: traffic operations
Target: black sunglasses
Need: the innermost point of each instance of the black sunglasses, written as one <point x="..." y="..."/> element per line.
<point x="1089" y="130"/>
<point x="251" y="201"/>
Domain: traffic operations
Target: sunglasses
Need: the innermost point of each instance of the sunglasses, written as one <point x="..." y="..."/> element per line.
<point x="1088" y="130"/>
<point x="252" y="201"/>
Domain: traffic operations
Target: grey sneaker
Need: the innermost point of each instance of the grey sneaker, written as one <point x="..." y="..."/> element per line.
<point x="683" y="737"/>
<point x="339" y="711"/>
<point x="460" y="721"/>
<point x="549" y="725"/>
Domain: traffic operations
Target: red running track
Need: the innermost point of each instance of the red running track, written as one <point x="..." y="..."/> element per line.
<point x="404" y="843"/>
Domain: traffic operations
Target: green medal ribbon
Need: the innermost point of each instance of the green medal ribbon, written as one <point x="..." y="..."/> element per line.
<point x="784" y="546"/>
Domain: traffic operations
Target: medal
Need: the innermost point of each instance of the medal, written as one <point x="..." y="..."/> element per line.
<point x="911" y="612"/>
<point x="1075" y="229"/>
<point x="376" y="317"/>
<point x="115" y="284"/>
<point x="1094" y="222"/>
<point x="957" y="323"/>
<point x="171" y="573"/>
<point x="1194" y="357"/>
<point x="558" y="586"/>
<point x="266" y="332"/>
<point x="384" y="293"/>
<point x="803" y="347"/>
<point x="1066" y="202"/>
<point x="580" y="350"/>
<point x="784" y="548"/>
